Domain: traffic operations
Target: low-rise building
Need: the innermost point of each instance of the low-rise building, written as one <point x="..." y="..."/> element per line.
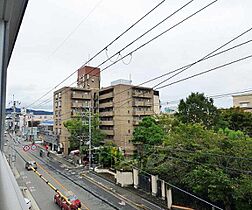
<point x="243" y="101"/>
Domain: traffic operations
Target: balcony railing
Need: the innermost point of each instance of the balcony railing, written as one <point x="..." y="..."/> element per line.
<point x="146" y="112"/>
<point x="105" y="114"/>
<point x="108" y="132"/>
<point x="142" y="103"/>
<point x="107" y="122"/>
<point x="107" y="104"/>
<point x="81" y="96"/>
<point x="107" y="95"/>
<point x="142" y="95"/>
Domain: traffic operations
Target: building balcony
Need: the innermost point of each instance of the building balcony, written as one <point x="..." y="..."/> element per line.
<point x="107" y="104"/>
<point x="81" y="96"/>
<point x="105" y="114"/>
<point x="135" y="122"/>
<point x="79" y="105"/>
<point x="106" y="95"/>
<point x="138" y="113"/>
<point x="141" y="103"/>
<point x="107" y="122"/>
<point x="141" y="95"/>
<point x="75" y="114"/>
<point x="108" y="132"/>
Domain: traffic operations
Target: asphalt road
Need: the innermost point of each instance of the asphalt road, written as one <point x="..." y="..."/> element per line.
<point x="67" y="180"/>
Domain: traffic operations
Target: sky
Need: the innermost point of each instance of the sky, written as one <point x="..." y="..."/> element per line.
<point x="58" y="36"/>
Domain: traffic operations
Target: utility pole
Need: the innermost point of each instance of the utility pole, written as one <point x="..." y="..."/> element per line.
<point x="90" y="137"/>
<point x="13" y="156"/>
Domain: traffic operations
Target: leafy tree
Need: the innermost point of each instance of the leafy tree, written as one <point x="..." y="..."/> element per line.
<point x="198" y="109"/>
<point x="109" y="155"/>
<point x="145" y="136"/>
<point x="79" y="132"/>
<point x="148" y="132"/>
<point x="215" y="166"/>
<point x="236" y="119"/>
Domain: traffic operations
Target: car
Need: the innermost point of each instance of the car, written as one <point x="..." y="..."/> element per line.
<point x="28" y="202"/>
<point x="30" y="164"/>
<point x="61" y="202"/>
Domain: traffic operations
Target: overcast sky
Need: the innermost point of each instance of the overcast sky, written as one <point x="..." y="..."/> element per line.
<point x="58" y="36"/>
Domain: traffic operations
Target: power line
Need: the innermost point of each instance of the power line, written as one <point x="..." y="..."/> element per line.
<point x="217" y="96"/>
<point x="207" y="71"/>
<point x="211" y="56"/>
<point x="75" y="29"/>
<point x="205" y="57"/>
<point x="99" y="52"/>
<point x="122" y="57"/>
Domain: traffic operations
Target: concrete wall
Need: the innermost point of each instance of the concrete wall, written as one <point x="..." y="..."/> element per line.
<point x="124" y="178"/>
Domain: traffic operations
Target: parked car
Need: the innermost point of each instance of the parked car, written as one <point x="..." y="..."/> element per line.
<point x="61" y="202"/>
<point x="28" y="202"/>
<point x="30" y="164"/>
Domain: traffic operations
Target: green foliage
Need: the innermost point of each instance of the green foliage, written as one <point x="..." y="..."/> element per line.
<point x="198" y="109"/>
<point x="148" y="132"/>
<point x="212" y="165"/>
<point x="109" y="155"/>
<point x="236" y="119"/>
<point x="79" y="132"/>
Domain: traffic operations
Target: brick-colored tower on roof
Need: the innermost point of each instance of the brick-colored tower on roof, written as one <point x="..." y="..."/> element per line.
<point x="89" y="78"/>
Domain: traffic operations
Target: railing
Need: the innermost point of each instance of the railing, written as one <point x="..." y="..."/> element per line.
<point x="105" y="114"/>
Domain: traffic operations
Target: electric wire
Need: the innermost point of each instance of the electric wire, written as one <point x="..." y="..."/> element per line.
<point x="99" y="52"/>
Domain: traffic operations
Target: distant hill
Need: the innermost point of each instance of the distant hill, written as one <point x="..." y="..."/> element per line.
<point x="35" y="112"/>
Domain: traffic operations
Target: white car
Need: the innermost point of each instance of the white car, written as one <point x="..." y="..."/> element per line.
<point x="28" y="202"/>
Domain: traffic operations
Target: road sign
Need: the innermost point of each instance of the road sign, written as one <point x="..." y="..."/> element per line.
<point x="26" y="148"/>
<point x="33" y="146"/>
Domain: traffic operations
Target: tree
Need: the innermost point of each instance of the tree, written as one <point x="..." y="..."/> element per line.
<point x="236" y="119"/>
<point x="215" y="166"/>
<point x="145" y="137"/>
<point x="109" y="155"/>
<point x="198" y="109"/>
<point x="79" y="132"/>
<point x="148" y="132"/>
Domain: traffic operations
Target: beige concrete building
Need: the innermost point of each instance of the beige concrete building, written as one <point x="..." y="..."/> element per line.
<point x="243" y="101"/>
<point x="69" y="102"/>
<point x="121" y="107"/>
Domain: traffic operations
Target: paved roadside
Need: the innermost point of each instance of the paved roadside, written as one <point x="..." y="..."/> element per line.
<point x="124" y="193"/>
<point x="141" y="202"/>
<point x="26" y="193"/>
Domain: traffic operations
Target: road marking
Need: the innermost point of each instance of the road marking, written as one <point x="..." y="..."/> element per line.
<point x="131" y="203"/>
<point x="54" y="179"/>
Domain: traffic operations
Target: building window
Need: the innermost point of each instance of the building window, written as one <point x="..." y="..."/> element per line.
<point x="128" y="111"/>
<point x="128" y="131"/>
<point x="128" y="121"/>
<point x="244" y="104"/>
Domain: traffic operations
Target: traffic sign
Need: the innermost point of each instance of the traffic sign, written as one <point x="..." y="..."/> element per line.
<point x="33" y="146"/>
<point x="26" y="148"/>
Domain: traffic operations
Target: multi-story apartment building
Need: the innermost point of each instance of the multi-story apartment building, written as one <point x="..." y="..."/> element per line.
<point x="70" y="102"/>
<point x="243" y="101"/>
<point x="121" y="107"/>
